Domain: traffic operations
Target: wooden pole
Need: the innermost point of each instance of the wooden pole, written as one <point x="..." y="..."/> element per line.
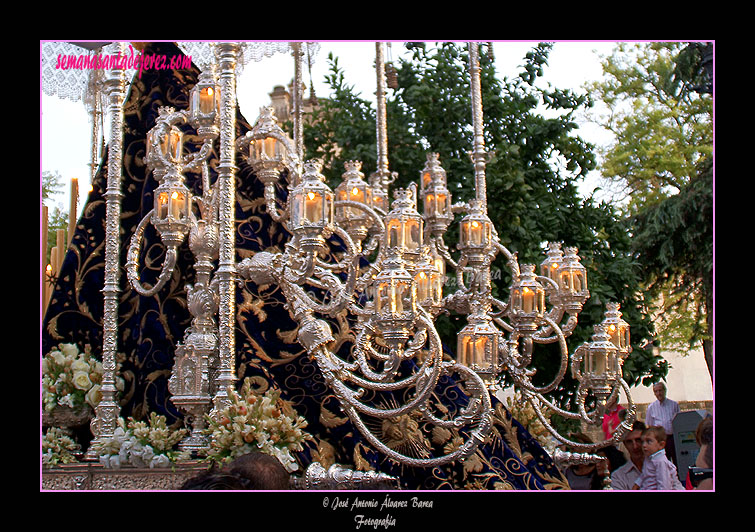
<point x="43" y="251"/>
<point x="73" y="212"/>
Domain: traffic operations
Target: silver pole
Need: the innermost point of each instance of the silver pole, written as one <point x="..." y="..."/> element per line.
<point x="478" y="155"/>
<point x="227" y="54"/>
<point x="298" y="124"/>
<point x="382" y="132"/>
<point x="107" y="411"/>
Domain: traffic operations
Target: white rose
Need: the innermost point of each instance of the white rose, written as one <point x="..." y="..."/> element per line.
<point x="58" y="357"/>
<point x="94" y="395"/>
<point x="80" y="365"/>
<point x="81" y="380"/>
<point x="69" y="350"/>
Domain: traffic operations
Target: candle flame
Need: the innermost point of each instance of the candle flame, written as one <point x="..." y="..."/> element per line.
<point x="311" y="195"/>
<point x="49" y="268"/>
<point x="174" y="195"/>
<point x="475" y="224"/>
<point x="355" y="191"/>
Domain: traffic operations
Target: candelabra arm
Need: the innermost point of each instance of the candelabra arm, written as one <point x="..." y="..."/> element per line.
<point x="194" y="161"/>
<point x="442" y="248"/>
<point x="272" y="204"/>
<point x="525" y="382"/>
<point x="511" y="259"/>
<point x="615" y="438"/>
<point x="133" y="262"/>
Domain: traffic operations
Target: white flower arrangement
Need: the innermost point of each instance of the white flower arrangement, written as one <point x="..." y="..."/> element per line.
<point x="142" y="444"/>
<point x="58" y="447"/>
<point x="72" y="378"/>
<point x="254" y="422"/>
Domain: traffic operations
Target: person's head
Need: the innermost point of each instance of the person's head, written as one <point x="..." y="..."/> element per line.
<point x="659" y="390"/>
<point x="214" y="480"/>
<point x="653" y="440"/>
<point x="262" y="471"/>
<point x="704" y="437"/>
<point x="633" y="441"/>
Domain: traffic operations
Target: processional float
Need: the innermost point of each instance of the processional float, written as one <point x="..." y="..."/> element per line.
<point x="353" y="253"/>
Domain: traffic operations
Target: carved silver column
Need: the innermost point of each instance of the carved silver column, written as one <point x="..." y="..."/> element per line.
<point x="478" y="155"/>
<point x="107" y="411"/>
<point x="298" y="54"/>
<point x="227" y="56"/>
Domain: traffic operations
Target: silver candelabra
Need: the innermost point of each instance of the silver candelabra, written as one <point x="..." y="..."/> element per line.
<point x="381" y="266"/>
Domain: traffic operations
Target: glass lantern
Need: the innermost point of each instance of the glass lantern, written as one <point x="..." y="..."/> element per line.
<point x="205" y="105"/>
<point x="404" y="227"/>
<point x="572" y="281"/>
<point x="170" y="216"/>
<point x="475" y="234"/>
<point x="617" y="329"/>
<point x="395" y="301"/>
<point x="171" y="145"/>
<point x="353" y="188"/>
<point x="428" y="281"/>
<point x="554" y="259"/>
<point x="268" y="152"/>
<point x="311" y="205"/>
<point x="435" y="195"/>
<point x="601" y="364"/>
<point x="527" y="301"/>
<point x="477" y="347"/>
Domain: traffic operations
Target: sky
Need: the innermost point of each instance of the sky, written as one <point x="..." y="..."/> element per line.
<point x="66" y="130"/>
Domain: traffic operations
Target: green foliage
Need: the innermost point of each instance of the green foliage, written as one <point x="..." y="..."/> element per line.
<point x="663" y="155"/>
<point x="52" y="183"/>
<point x="663" y="128"/>
<point x="531" y="176"/>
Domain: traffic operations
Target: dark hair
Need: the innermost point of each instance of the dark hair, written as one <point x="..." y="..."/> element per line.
<point x="704" y="437"/>
<point x="261" y="471"/>
<point x="214" y="480"/>
<point x="638" y="425"/>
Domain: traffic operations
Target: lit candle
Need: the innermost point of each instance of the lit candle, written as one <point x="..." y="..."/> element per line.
<point x="176" y="204"/>
<point x="313" y="207"/>
<point x="441" y="205"/>
<point x="528" y="299"/>
<point x="429" y="205"/>
<point x="480" y="346"/>
<point x="475" y="232"/>
<point x="357" y="195"/>
<point x="162" y="212"/>
<point x="423" y="286"/>
<point x="206" y="100"/>
<point x="270" y="147"/>
<point x="72" y="214"/>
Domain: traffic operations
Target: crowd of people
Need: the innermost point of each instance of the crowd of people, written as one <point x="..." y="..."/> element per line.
<point x="649" y="461"/>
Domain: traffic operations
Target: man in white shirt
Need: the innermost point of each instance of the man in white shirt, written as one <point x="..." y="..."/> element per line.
<point x="624" y="477"/>
<point x="661" y="413"/>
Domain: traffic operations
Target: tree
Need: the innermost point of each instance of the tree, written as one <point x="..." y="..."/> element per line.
<point x="57" y="219"/>
<point x="532" y="199"/>
<point x="661" y="114"/>
<point x="662" y="127"/>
